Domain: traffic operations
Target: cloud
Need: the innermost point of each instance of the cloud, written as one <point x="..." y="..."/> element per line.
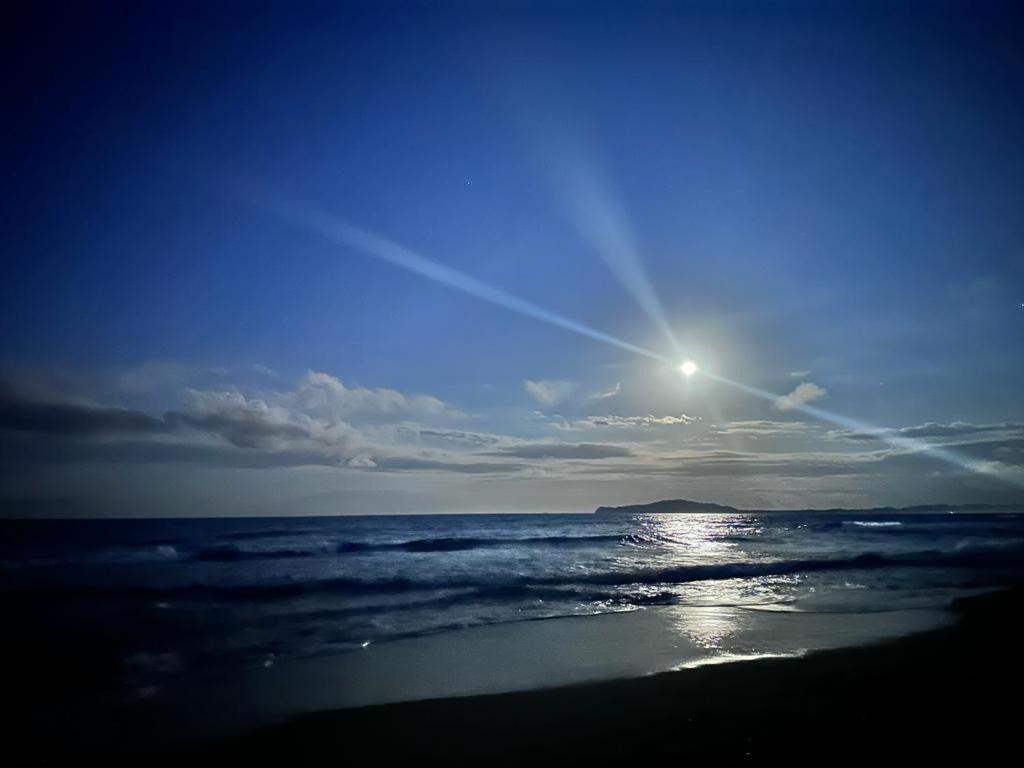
<point x="548" y="392"/>
<point x="250" y="427"/>
<point x="804" y="393"/>
<point x="252" y="422"/>
<point x="929" y="429"/>
<point x="1008" y="451"/>
<point x="607" y="393"/>
<point x="362" y="461"/>
<point x="748" y="464"/>
<point x="35" y="449"/>
<point x="799" y="374"/>
<point x="622" y="422"/>
<point x="957" y="428"/>
<point x="343" y="434"/>
<point x="230" y="428"/>
<point x="744" y="464"/>
<point x="449" y="436"/>
<point x="319" y="421"/>
<point x="149" y="385"/>
<point x="473" y="468"/>
<point x="72" y="419"/>
<point x="321" y="395"/>
<point x="564" y="451"/>
<point x="229" y="415"/>
<point x="762" y="427"/>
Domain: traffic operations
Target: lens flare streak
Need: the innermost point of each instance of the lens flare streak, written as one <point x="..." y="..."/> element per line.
<point x="909" y="445"/>
<point x="343" y="233"/>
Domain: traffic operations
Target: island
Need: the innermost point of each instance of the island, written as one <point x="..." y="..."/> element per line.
<point x="685" y="506"/>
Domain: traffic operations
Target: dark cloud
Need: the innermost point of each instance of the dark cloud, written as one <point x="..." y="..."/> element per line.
<point x="244" y="428"/>
<point x="18" y="450"/>
<point x="24" y="415"/>
<point x="243" y="437"/>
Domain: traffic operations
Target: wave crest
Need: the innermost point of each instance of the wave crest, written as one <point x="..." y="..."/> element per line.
<point x="966" y="556"/>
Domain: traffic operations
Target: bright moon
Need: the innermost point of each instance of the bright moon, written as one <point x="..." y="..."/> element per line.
<point x="688" y="368"/>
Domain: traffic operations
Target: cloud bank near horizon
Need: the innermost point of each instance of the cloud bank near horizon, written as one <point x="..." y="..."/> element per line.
<point x="382" y="440"/>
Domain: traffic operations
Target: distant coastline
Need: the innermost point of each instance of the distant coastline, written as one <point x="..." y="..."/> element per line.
<point x="685" y="506"/>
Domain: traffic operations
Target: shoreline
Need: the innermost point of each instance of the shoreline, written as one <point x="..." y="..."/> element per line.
<point x="937" y="692"/>
<point x="523" y="656"/>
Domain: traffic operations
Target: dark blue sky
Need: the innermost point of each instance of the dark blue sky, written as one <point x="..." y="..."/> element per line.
<point x="827" y="190"/>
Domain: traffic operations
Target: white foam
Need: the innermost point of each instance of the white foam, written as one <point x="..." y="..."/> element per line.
<point x="728" y="658"/>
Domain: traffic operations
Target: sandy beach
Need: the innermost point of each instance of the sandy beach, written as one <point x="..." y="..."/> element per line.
<point x="942" y="694"/>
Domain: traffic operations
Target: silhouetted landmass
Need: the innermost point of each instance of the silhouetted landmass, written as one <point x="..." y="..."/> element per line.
<point x="685" y="506"/>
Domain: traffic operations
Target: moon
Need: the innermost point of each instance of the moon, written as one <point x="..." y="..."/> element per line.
<point x="688" y="368"/>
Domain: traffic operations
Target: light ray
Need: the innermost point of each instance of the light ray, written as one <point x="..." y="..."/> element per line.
<point x="601" y="218"/>
<point x="342" y="232"/>
<point x="910" y="445"/>
<point x="339" y="231"/>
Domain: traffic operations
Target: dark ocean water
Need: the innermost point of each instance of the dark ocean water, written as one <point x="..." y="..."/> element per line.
<point x="160" y="599"/>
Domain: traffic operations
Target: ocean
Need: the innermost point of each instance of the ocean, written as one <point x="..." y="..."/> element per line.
<point x="156" y="608"/>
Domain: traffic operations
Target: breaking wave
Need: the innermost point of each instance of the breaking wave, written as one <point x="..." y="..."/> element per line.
<point x="231" y="553"/>
<point x="966" y="556"/>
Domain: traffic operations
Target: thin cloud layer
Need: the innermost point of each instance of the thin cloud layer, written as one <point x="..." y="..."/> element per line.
<point x="565" y="451"/>
<point x="548" y="392"/>
<point x="931" y="429"/>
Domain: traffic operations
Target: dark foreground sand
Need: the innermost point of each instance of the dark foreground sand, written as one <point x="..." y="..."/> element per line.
<point x="951" y="694"/>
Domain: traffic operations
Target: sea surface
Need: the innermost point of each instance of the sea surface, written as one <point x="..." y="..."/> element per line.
<point x="159" y="601"/>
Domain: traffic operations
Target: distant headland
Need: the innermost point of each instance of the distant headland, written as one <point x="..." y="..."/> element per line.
<point x="685" y="506"/>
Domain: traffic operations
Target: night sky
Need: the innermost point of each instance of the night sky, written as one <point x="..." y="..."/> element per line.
<point x="325" y="258"/>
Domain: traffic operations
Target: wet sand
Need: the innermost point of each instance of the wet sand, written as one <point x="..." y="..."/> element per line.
<point x="952" y="693"/>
